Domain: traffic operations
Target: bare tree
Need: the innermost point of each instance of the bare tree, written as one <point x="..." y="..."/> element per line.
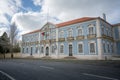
<point x="13" y="34"/>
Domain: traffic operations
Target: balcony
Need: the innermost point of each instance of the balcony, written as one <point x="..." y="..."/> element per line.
<point x="70" y="38"/>
<point x="61" y="39"/>
<point x="90" y="36"/>
<point x="45" y="41"/>
<point x="107" y="37"/>
<point x="53" y="40"/>
<point x="80" y="37"/>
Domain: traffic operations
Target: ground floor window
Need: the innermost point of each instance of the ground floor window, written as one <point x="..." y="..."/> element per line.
<point x="61" y="49"/>
<point x="108" y="46"/>
<point x="23" y="50"/>
<point x="53" y="50"/>
<point x="104" y="47"/>
<point x="42" y="50"/>
<point x="36" y="51"/>
<point x="27" y="50"/>
<point x="92" y="47"/>
<point x="80" y="48"/>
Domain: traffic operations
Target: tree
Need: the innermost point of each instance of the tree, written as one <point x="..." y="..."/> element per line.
<point x="4" y="43"/>
<point x="13" y="34"/>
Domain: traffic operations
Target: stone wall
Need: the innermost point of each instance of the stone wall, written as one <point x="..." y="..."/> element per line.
<point x="8" y="55"/>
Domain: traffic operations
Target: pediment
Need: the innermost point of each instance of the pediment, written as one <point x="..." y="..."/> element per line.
<point x="48" y="26"/>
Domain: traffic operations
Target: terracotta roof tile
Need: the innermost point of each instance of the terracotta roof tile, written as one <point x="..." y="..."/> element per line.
<point x="32" y="32"/>
<point x="118" y="24"/>
<point x="75" y="21"/>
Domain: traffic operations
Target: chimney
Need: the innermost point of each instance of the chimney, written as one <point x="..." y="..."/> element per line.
<point x="104" y="16"/>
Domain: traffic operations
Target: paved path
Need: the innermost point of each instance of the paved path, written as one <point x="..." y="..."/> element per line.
<point x="19" y="69"/>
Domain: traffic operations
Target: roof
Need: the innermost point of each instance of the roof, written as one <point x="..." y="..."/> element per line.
<point x="35" y="31"/>
<point x="79" y="20"/>
<point x="75" y="21"/>
<point x="118" y="24"/>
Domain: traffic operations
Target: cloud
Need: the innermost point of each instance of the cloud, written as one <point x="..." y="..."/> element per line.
<point x="7" y="9"/>
<point x="71" y="9"/>
<point x="31" y="20"/>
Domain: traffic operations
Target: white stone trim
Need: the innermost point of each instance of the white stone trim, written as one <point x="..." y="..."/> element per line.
<point x="98" y="28"/>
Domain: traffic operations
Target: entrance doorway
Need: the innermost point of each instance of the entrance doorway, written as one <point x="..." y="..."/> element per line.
<point x="31" y="51"/>
<point x="70" y="50"/>
<point x="47" y="51"/>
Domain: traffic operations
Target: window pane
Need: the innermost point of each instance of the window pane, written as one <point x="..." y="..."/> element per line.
<point x="92" y="48"/>
<point x="61" y="49"/>
<point x="80" y="48"/>
<point x="80" y="32"/>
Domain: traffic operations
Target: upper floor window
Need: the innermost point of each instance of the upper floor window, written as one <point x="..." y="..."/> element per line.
<point x="80" y="32"/>
<point x="61" y="48"/>
<point x="53" y="35"/>
<point x="102" y="30"/>
<point x="61" y="34"/>
<point x="70" y="33"/>
<point x="92" y="47"/>
<point x="91" y="29"/>
<point x="107" y="31"/>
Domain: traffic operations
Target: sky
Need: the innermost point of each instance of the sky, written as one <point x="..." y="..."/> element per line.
<point x="31" y="15"/>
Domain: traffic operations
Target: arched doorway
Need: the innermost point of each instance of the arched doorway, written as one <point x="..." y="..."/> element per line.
<point x="70" y="50"/>
<point x="47" y="51"/>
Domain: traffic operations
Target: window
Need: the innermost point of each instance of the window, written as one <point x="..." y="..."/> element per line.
<point x="70" y="33"/>
<point x="107" y="32"/>
<point x="36" y="51"/>
<point x="92" y="47"/>
<point x="108" y="48"/>
<point x="112" y="48"/>
<point x="61" y="34"/>
<point x="61" y="49"/>
<point x="104" y="47"/>
<point x="27" y="50"/>
<point x="91" y="30"/>
<point x="80" y="48"/>
<point x="53" y="50"/>
<point x="79" y="32"/>
<point x="42" y="50"/>
<point x="23" y="50"/>
<point x="53" y="35"/>
<point x="102" y="29"/>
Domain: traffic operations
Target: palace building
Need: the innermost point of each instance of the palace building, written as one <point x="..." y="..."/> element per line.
<point x="90" y="38"/>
